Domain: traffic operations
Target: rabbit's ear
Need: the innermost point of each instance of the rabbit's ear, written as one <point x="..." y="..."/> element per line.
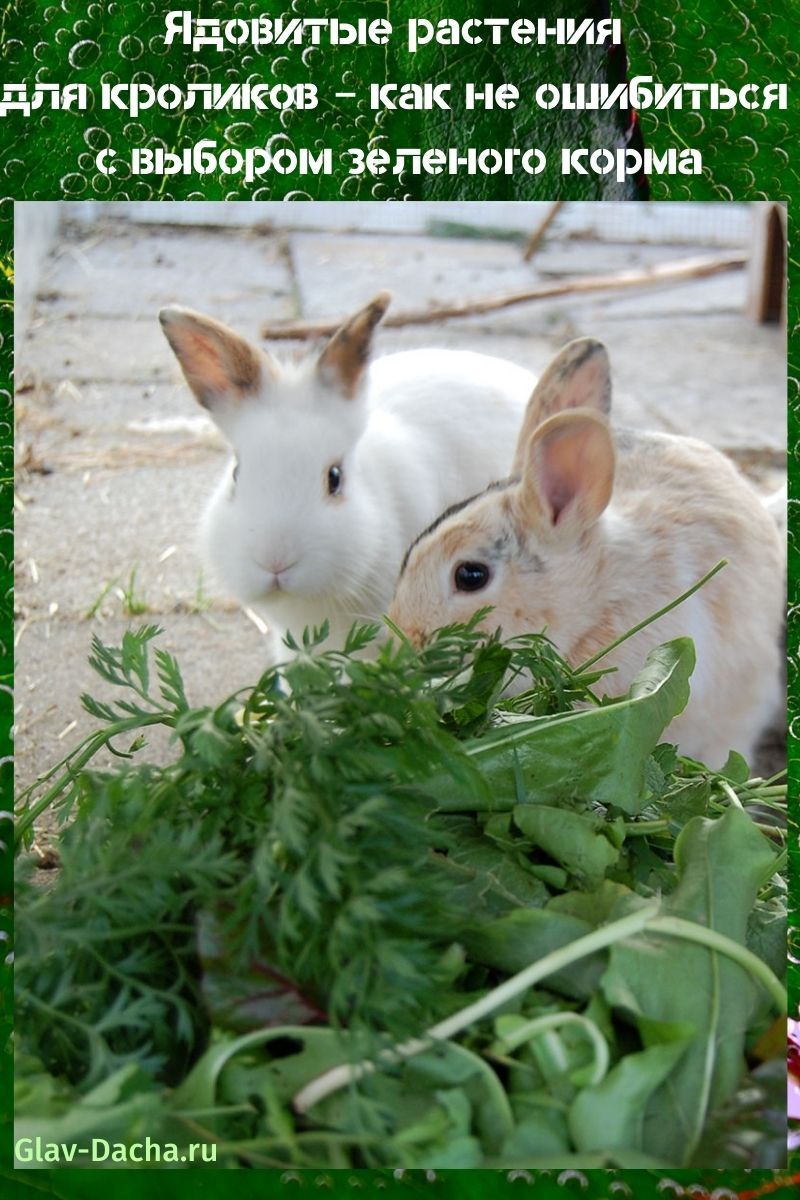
<point x="578" y="377"/>
<point x="568" y="474"/>
<point x="220" y="367"/>
<point x="342" y="362"/>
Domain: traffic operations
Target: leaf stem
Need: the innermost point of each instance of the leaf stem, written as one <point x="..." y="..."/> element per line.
<point x="539" y="1025"/>
<point x="644" y="828"/>
<point x="649" y="620"/>
<point x="338" y="1077"/>
<point x="76" y="761"/>
<point x="730" y="793"/>
<point x="643" y="919"/>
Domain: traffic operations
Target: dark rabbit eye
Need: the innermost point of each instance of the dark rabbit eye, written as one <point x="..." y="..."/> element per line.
<point x="471" y="576"/>
<point x="235" y="472"/>
<point x="335" y="478"/>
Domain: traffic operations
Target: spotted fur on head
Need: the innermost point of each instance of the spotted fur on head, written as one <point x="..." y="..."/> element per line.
<point x="499" y="486"/>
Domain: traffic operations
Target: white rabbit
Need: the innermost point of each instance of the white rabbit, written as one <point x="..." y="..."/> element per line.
<point x="592" y="533"/>
<point x="339" y="463"/>
<point x="777" y="506"/>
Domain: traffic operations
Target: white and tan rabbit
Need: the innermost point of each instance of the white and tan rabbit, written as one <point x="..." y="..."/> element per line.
<point x="593" y="532"/>
<point x="338" y="462"/>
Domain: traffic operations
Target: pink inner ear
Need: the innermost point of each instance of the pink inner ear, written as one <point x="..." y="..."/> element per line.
<point x="560" y="477"/>
<point x="559" y="494"/>
<point x="573" y="461"/>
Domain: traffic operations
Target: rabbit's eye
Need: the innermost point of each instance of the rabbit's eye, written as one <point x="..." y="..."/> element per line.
<point x="235" y="472"/>
<point x="471" y="576"/>
<point x="335" y="479"/>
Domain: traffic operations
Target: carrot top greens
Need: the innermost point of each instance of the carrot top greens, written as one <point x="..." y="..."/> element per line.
<point x="369" y="913"/>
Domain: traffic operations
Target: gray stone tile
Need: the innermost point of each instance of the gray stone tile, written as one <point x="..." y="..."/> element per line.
<point x="691" y="223"/>
<point x="119" y="270"/>
<point x="79" y="531"/>
<point x="78" y="348"/>
<point x="419" y="271"/>
<point x="217" y="653"/>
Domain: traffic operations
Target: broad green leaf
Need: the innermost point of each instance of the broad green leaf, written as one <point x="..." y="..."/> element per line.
<point x="486" y="881"/>
<point x="544" y="1133"/>
<point x="735" y="769"/>
<point x="581" y="842"/>
<point x="595" y="906"/>
<point x="610" y="1115"/>
<point x="314" y="1050"/>
<point x="654" y="979"/>
<point x="598" y="755"/>
<point x="450" y="1062"/>
<point x="514" y="941"/>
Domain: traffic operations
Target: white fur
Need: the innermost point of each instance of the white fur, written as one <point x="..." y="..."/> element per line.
<point x="777" y="505"/>
<point x="429" y="428"/>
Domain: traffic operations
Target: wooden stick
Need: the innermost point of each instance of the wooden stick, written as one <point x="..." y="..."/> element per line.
<point x="671" y="272"/>
<point x="532" y="244"/>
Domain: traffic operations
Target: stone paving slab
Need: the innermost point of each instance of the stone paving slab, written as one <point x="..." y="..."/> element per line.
<point x="84" y="349"/>
<point x="63" y="414"/>
<point x="420" y="272"/>
<point x="184" y="265"/>
<point x="707" y="224"/>
<point x="90" y="349"/>
<point x="423" y="272"/>
<point x="721" y="378"/>
<point x="84" y="530"/>
<point x="75" y="352"/>
<point x="218" y="653"/>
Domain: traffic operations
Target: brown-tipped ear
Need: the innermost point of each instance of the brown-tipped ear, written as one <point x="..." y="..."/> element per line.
<point x="220" y="367"/>
<point x="568" y="474"/>
<point x="343" y="360"/>
<point x="578" y="377"/>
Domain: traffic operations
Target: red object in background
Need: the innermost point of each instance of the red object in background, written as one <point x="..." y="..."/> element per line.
<point x="773" y="1186"/>
<point x="793" y="1098"/>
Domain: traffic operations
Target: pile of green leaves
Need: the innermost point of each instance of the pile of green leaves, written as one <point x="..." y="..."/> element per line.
<point x="371" y="914"/>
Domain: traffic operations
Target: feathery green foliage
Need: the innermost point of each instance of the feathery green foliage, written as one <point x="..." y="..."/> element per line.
<point x="360" y="849"/>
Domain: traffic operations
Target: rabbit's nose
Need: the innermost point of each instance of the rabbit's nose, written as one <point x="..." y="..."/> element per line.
<point x="279" y="567"/>
<point x="275" y="566"/>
